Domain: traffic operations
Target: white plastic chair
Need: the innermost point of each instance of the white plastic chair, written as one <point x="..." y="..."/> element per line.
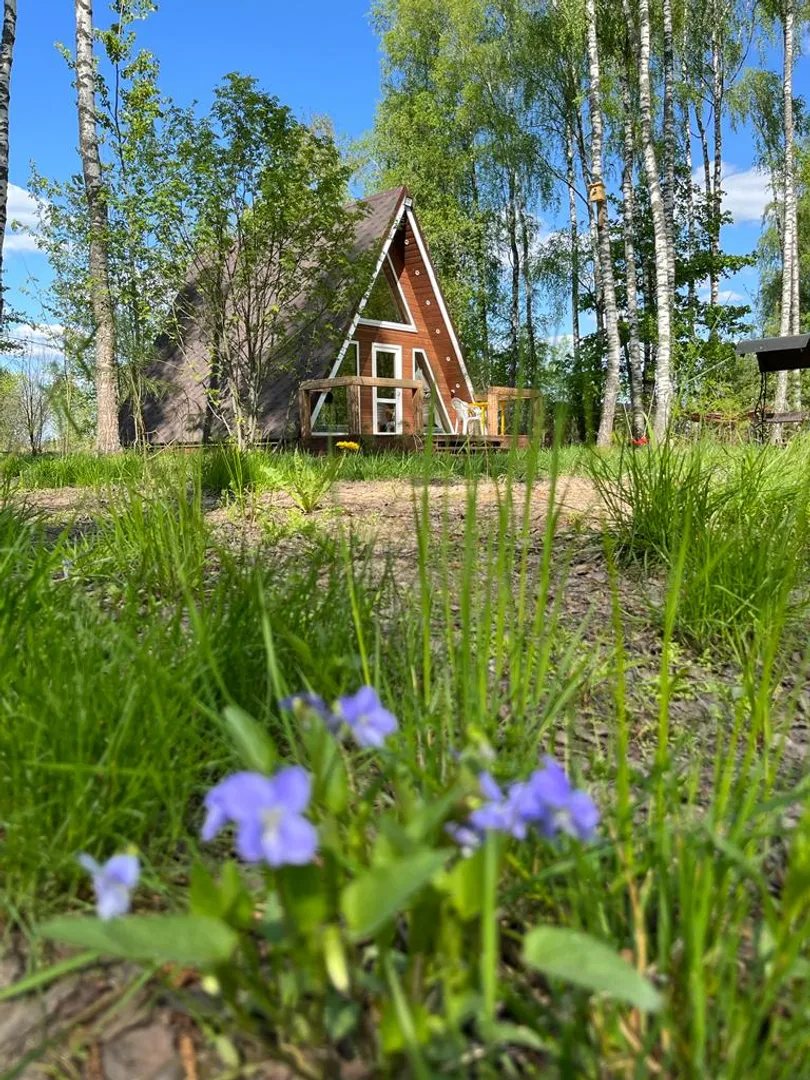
<point x="467" y="414"/>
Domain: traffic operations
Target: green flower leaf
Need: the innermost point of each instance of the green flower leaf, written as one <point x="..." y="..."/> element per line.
<point x="587" y="962"/>
<point x="252" y="742"/>
<point x="376" y="896"/>
<point x="161" y="939"/>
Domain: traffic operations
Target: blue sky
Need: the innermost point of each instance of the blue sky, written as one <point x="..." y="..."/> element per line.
<point x="320" y="56"/>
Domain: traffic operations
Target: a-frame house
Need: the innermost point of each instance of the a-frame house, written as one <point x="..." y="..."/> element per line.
<point x="400" y="329"/>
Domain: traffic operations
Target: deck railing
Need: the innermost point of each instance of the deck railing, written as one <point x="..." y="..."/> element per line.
<point x="354" y="385"/>
<point x="498" y="397"/>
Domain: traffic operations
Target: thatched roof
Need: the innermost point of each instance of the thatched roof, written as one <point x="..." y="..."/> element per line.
<point x="178" y="412"/>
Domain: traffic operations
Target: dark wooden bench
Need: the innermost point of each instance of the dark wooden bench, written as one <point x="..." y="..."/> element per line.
<point x="786" y="418"/>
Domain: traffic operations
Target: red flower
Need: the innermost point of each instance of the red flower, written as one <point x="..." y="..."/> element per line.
<point x="640" y="442"/>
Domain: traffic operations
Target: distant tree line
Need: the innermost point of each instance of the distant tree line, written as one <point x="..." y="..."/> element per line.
<point x="497" y="115"/>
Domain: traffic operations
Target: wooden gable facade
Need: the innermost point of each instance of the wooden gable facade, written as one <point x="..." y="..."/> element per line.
<point x="414" y="339"/>
<point x="399" y="329"/>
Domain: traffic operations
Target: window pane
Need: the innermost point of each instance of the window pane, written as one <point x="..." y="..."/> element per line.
<point x="383" y="305"/>
<point x="386" y="365"/>
<point x="386" y="417"/>
<point x="349" y="364"/>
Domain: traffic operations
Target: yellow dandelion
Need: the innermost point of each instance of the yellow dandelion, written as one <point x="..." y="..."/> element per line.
<point x="352" y="447"/>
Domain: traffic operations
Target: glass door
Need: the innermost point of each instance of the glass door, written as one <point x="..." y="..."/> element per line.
<point x="386" y="363"/>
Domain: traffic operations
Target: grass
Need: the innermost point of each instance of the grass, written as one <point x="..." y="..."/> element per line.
<point x="120" y="647"/>
<point x="227" y="470"/>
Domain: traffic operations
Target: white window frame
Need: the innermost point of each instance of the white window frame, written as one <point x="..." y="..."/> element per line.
<point x="410" y="325"/>
<point x="396" y="400"/>
<point x="333" y="374"/>
<point x="437" y="394"/>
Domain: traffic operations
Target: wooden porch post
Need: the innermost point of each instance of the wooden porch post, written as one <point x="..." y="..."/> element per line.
<point x="353" y="395"/>
<point x="418" y="423"/>
<point x="493" y="413"/>
<point x="305" y="413"/>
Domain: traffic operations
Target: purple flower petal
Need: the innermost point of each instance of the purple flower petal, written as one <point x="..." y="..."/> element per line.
<point x="240" y="796"/>
<point x="354" y="706"/>
<point x="215" y="819"/>
<point x="584" y="815"/>
<point x="489" y="789"/>
<point x="370" y="722"/>
<point x="490" y="817"/>
<point x="267" y="812"/>
<point x="292" y="788"/>
<point x="125" y="869"/>
<point x="298" y="842"/>
<point x="112" y="883"/>
<point x="463" y="835"/>
<point x="249" y="840"/>
<point x="112" y="900"/>
<point x="550" y="784"/>
<point x="89" y="864"/>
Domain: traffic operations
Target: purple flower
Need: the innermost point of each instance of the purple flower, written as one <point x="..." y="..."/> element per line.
<point x="553" y="805"/>
<point x="307" y="700"/>
<point x="113" y="882"/>
<point x="467" y="838"/>
<point x="267" y="812"/>
<point x="365" y="714"/>
<point x="500" y="813"/>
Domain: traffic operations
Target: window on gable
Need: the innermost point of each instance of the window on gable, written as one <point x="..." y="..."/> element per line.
<point x="384" y="305"/>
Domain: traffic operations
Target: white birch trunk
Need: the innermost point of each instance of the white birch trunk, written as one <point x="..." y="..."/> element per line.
<point x="717" y="178"/>
<point x="573" y="227"/>
<point x="786" y="321"/>
<point x="690" y="202"/>
<point x="107" y="439"/>
<point x="635" y="365"/>
<point x="663" y="367"/>
<point x="6" y="57"/>
<point x="614" y="348"/>
<point x="669" y="142"/>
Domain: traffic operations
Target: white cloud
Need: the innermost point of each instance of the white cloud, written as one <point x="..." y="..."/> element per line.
<point x="22" y="210"/>
<point x="746" y="192"/>
<point x="43" y="341"/>
<point x="725" y="296"/>
<point x="559" y="339"/>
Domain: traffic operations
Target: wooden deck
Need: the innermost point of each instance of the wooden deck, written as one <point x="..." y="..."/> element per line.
<point x="413" y="435"/>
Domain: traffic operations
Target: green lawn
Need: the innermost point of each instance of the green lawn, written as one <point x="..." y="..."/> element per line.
<point x="123" y="639"/>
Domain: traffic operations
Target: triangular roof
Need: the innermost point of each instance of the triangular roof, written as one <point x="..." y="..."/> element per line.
<point x="180" y="414"/>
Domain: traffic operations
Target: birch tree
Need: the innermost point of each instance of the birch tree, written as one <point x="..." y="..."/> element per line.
<point x="663" y="362"/>
<point x="614" y="348"/>
<point x="107" y="438"/>
<point x="6" y="57"/>
<point x="635" y="366"/>
<point x="790" y="255"/>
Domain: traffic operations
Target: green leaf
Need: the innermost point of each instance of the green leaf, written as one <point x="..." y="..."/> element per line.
<point x="587" y="962"/>
<point x="373" y="898"/>
<point x="464" y="883"/>
<point x="513" y="1035"/>
<point x="228" y="899"/>
<point x="252" y="742"/>
<point x="304" y="893"/>
<point x="334" y="955"/>
<point x="161" y="939"/>
<point x="340" y="1017"/>
<point x="429" y="816"/>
